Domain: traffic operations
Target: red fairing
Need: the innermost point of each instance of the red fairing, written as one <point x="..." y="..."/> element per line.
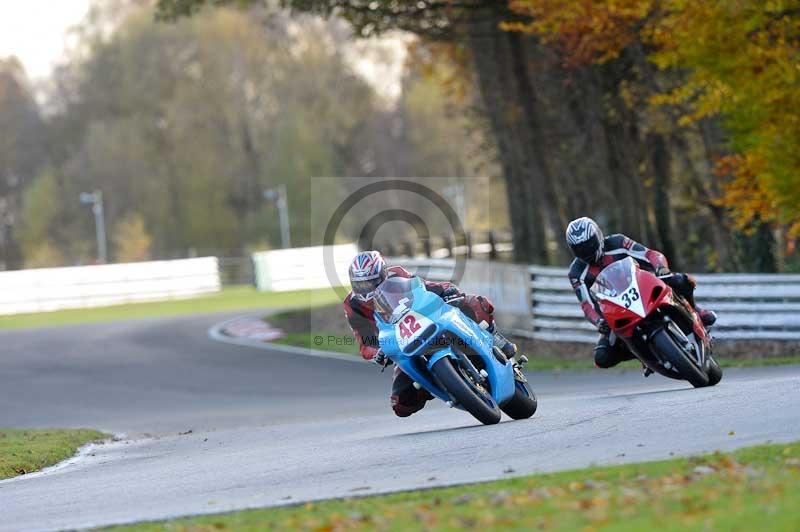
<point x="653" y="292"/>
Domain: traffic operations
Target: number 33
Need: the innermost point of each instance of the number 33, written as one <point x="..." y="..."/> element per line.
<point x="630" y="296"/>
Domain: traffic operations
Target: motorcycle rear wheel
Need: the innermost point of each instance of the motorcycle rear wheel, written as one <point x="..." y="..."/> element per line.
<point x="665" y="346"/>
<point x="466" y="394"/>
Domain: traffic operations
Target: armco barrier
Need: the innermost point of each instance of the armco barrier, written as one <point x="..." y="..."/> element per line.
<point x="749" y="306"/>
<point x="507" y="285"/>
<point x="47" y="289"/>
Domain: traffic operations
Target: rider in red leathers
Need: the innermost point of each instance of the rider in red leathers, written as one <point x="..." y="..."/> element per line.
<point x="367" y="271"/>
<point x="592" y="253"/>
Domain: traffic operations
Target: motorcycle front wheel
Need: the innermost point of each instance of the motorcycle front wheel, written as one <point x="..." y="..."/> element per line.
<point x="523" y="404"/>
<point x="470" y="396"/>
<point x="665" y="346"/>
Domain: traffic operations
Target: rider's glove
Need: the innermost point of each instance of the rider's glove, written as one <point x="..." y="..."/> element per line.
<point x="379" y="358"/>
<point x="451" y="294"/>
<point x="602" y="327"/>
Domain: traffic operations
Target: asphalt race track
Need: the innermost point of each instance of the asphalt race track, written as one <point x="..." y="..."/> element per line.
<point x="210" y="427"/>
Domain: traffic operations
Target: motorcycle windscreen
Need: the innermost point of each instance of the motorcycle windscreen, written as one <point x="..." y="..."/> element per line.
<point x="617" y="284"/>
<point x="394" y="297"/>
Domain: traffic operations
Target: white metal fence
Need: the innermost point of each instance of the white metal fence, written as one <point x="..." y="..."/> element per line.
<point x="532" y="300"/>
<point x="47" y="289"/>
<point x="749" y="306"/>
<point x="302" y="268"/>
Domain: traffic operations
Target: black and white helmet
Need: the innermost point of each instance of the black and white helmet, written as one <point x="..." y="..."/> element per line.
<point x="585" y="239"/>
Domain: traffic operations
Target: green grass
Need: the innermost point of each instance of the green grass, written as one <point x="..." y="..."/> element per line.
<point x="229" y="299"/>
<point x="756" y="488"/>
<point x="330" y="325"/>
<point x="25" y="451"/>
<point x="752" y="362"/>
<point x="338" y="343"/>
<point x="551" y="363"/>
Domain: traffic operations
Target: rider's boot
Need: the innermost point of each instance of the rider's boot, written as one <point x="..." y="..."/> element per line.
<point x="505" y="345"/>
<point x="708" y="317"/>
<point x="646" y="371"/>
<point x="510" y="350"/>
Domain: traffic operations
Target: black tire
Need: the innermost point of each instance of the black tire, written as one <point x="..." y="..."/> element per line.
<point x="523" y="404"/>
<point x="665" y="346"/>
<point x="483" y="407"/>
<point x="714" y="371"/>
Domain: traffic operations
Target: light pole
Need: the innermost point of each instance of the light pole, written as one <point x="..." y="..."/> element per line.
<point x="277" y="195"/>
<point x="95" y="199"/>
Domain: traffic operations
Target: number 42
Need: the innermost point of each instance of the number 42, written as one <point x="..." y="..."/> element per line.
<point x="409" y="325"/>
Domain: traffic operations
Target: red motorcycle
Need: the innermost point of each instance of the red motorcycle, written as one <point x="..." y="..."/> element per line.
<point x="659" y="327"/>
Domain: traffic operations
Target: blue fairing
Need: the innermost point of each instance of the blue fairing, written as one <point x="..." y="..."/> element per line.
<point x="417" y="358"/>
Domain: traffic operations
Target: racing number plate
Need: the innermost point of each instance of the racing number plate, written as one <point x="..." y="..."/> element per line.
<point x="410" y="327"/>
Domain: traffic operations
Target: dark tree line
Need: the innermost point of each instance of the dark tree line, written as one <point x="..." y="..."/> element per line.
<point x="23" y="146"/>
<point x="573" y="140"/>
<point x="184" y="126"/>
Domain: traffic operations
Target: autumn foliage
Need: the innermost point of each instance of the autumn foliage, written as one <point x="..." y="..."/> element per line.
<point x="737" y="61"/>
<point x="587" y="31"/>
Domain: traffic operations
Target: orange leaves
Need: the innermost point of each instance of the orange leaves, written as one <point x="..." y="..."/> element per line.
<point x="742" y="59"/>
<point x="744" y="194"/>
<point x="587" y="31"/>
<point x="733" y="60"/>
<point x="751" y="197"/>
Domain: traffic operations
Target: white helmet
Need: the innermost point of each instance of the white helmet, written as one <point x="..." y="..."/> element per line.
<point x="585" y="239"/>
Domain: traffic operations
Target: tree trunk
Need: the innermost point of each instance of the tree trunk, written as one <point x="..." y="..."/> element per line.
<point x="520" y="47"/>
<point x="660" y="160"/>
<point x="499" y="90"/>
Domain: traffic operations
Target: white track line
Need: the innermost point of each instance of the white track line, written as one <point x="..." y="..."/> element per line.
<point x="216" y="333"/>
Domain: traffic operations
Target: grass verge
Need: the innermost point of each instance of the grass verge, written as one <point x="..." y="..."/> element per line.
<point x="331" y="341"/>
<point x="331" y="333"/>
<point x="25" y="451"/>
<point x="756" y="488"/>
<point x="228" y="299"/>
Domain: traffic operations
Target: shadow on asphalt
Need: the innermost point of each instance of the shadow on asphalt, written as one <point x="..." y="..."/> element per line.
<point x="649" y="392"/>
<point x="465" y="428"/>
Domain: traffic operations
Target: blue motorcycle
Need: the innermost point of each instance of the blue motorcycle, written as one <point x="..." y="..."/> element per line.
<point x="448" y="354"/>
